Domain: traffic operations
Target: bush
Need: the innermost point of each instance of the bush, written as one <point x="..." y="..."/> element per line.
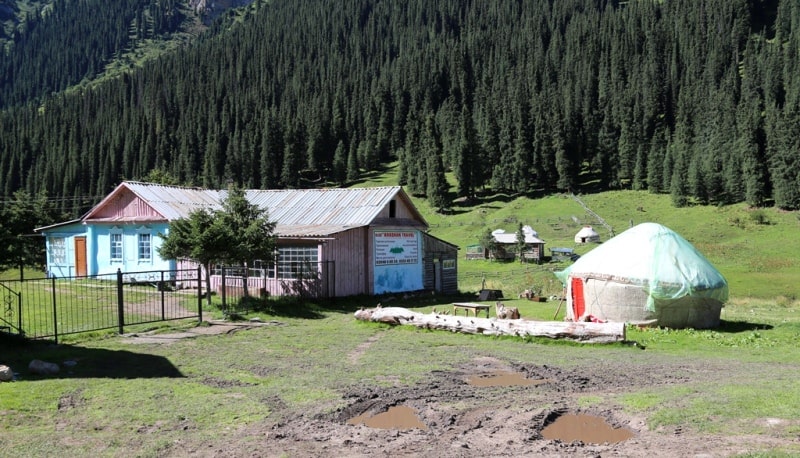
<point x="759" y="217"/>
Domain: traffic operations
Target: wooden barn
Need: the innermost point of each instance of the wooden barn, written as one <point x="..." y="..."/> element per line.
<point x="506" y="245"/>
<point x="353" y="241"/>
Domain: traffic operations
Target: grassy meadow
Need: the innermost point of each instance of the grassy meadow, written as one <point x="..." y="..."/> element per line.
<point x="122" y="399"/>
<point x="757" y="250"/>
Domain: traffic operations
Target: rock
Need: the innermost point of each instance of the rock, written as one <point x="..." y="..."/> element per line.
<point x="6" y="374"/>
<point x="43" y="367"/>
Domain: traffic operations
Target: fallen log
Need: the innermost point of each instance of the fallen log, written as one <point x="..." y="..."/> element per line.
<point x="587" y="332"/>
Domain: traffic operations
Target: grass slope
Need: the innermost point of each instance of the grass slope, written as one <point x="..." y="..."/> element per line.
<point x="755" y="249"/>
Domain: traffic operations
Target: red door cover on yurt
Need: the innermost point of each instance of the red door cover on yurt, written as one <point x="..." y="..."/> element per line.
<point x="578" y="305"/>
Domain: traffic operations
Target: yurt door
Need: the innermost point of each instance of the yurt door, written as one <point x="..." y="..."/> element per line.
<point x="578" y="305"/>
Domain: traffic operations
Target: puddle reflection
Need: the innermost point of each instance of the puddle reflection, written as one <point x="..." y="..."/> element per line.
<point x="397" y="417"/>
<point x="588" y="429"/>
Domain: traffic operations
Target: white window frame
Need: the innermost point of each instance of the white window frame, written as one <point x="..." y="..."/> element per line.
<point x="140" y="239"/>
<point x="116" y="243"/>
<point x="293" y="258"/>
<point x="58" y="251"/>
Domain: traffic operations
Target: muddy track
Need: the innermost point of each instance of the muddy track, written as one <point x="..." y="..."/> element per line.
<point x="461" y="419"/>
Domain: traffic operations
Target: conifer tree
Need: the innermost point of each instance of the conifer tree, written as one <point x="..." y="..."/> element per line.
<point x="784" y="160"/>
<point x="339" y="170"/>
<point x="467" y="160"/>
<point x="436" y="187"/>
<point x="521" y="243"/>
<point x="353" y="172"/>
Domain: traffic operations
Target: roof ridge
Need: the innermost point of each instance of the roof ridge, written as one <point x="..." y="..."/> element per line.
<point x="199" y="188"/>
<point x="176" y="186"/>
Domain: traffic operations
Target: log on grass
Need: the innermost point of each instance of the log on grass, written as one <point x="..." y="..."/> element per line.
<point x="587" y="332"/>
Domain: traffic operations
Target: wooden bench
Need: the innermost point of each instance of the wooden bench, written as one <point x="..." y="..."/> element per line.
<point x="468" y="307"/>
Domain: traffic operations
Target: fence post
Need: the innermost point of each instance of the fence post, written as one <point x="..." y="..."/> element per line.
<point x="162" y="287"/>
<point x="120" y="303"/>
<point x="199" y="294"/>
<point x="55" y="317"/>
<point x="332" y="278"/>
<point x="224" y="302"/>
<point x="19" y="313"/>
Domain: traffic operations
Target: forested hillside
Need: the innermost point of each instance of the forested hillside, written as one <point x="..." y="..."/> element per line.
<point x="700" y="99"/>
<point x="65" y="42"/>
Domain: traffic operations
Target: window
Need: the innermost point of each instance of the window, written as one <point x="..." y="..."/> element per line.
<point x="58" y="250"/>
<point x="266" y="269"/>
<point x="294" y="261"/>
<point x="145" y="251"/>
<point x="116" y="246"/>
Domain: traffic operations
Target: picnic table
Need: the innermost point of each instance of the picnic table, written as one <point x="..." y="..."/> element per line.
<point x="468" y="307"/>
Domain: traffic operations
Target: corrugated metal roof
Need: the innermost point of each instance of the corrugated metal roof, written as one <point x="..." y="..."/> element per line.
<point x="324" y="207"/>
<point x="508" y="238"/>
<point x="174" y="202"/>
<point x="296" y="212"/>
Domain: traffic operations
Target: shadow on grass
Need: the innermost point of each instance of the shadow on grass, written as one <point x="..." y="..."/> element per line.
<point x="296" y="307"/>
<point x="741" y="326"/>
<point x="286" y="307"/>
<point x="75" y="361"/>
<point x="411" y="300"/>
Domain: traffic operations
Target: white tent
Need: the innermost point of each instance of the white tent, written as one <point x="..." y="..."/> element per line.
<point x="587" y="235"/>
<point x="646" y="273"/>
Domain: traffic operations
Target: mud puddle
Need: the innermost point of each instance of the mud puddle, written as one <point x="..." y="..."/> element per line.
<point x="397" y="417"/>
<point x="503" y="378"/>
<point x="589" y="429"/>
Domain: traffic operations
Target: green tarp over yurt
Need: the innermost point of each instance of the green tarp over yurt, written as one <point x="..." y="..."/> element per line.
<point x="646" y="273"/>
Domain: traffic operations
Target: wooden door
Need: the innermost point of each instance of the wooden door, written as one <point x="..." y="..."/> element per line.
<point x="80" y="256"/>
<point x="437" y="275"/>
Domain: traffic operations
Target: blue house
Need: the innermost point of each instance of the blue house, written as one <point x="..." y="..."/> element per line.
<point x="121" y="232"/>
<point x="362" y="240"/>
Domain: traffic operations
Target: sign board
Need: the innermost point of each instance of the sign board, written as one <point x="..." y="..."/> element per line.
<point x="398" y="261"/>
<point x="396" y="247"/>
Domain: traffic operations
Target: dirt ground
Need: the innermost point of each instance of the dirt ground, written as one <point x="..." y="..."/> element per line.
<point x="457" y="418"/>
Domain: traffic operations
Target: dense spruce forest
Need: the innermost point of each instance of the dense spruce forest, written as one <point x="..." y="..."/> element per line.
<point x="73" y="40"/>
<point x="699" y="99"/>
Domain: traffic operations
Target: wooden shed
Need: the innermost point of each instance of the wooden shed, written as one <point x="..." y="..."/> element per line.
<point x="506" y="245"/>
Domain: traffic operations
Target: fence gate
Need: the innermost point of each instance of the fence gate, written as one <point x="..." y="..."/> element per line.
<point x="45" y="308"/>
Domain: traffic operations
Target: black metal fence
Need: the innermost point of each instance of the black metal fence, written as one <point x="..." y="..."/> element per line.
<point x="46" y="308"/>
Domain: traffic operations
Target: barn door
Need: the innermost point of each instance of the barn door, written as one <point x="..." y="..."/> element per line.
<point x="578" y="304"/>
<point x="80" y="256"/>
<point x="437" y="275"/>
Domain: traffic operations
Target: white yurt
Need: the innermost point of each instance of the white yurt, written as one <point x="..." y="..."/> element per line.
<point x="648" y="273"/>
<point x="587" y="235"/>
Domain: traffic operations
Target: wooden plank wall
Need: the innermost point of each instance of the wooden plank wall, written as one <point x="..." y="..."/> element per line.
<point x="352" y="257"/>
<point x="435" y="248"/>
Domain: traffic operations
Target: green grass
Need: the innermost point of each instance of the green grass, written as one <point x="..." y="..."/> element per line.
<point x="757" y="250"/>
<point x="230" y="374"/>
<point x="138" y="400"/>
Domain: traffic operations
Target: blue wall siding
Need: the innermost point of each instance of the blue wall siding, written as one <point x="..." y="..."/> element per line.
<point x="65" y="267"/>
<point x="130" y="260"/>
<point x="98" y="249"/>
